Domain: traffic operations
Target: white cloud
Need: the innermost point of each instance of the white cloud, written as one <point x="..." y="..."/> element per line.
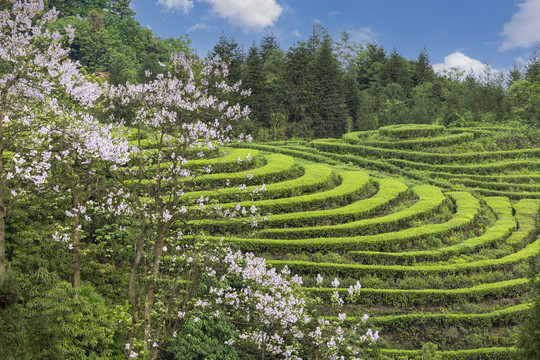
<point x="296" y="33"/>
<point x="521" y="61"/>
<point x="362" y="34"/>
<point x="172" y="5"/>
<point x="333" y="13"/>
<point x="523" y="30"/>
<point x="200" y="26"/>
<point x="462" y="62"/>
<point x="247" y="14"/>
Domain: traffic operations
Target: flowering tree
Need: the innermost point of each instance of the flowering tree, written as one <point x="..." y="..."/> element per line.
<point x="84" y="151"/>
<point x="186" y="117"/>
<point x="37" y="83"/>
<point x="266" y="309"/>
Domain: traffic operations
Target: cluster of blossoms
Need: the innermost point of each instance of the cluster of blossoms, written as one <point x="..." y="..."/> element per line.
<point x="180" y="99"/>
<point x="44" y="134"/>
<point x="269" y="309"/>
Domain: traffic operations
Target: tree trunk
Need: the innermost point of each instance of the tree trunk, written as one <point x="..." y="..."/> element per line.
<point x="3" y="210"/>
<point x="75" y="232"/>
<point x="2" y="243"/>
<point x="76" y="252"/>
<point x="132" y="285"/>
<point x="152" y="285"/>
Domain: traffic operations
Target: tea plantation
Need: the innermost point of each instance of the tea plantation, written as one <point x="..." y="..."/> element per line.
<point x="439" y="225"/>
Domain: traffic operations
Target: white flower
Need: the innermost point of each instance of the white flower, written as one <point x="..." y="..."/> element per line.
<point x="331" y="343"/>
<point x="297" y="279"/>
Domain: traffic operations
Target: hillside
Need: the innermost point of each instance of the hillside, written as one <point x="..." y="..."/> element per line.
<point x="138" y="220"/>
<point x="438" y="230"/>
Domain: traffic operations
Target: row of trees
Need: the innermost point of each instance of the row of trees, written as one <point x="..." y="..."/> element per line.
<point x="111" y="42"/>
<point x="324" y="88"/>
<point x="317" y="88"/>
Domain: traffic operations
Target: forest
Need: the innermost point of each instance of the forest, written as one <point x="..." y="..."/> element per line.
<point x="333" y="200"/>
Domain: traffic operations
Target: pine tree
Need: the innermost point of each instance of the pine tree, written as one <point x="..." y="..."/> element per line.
<point x="514" y="75"/>
<point x="253" y="79"/>
<point x="269" y="45"/>
<point x="532" y="71"/>
<point x="319" y="34"/>
<point x="298" y="90"/>
<point x="351" y="93"/>
<point x="331" y="120"/>
<point x="423" y="72"/>
<point x="230" y="52"/>
<point x="369" y="64"/>
<point x="396" y="70"/>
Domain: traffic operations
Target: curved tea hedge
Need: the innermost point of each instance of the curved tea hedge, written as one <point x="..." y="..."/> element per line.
<point x="443" y="157"/>
<point x="408" y="131"/>
<point x="446" y="247"/>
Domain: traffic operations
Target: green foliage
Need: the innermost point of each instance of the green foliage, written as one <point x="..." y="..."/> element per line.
<point x="529" y="340"/>
<point x="411" y="131"/>
<point x="57" y="322"/>
<point x="432" y="200"/>
<point x="432" y="259"/>
<point x="204" y="339"/>
<point x="328" y="86"/>
<point x="429" y="352"/>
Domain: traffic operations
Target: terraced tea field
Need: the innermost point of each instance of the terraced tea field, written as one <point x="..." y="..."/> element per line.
<point x="439" y="231"/>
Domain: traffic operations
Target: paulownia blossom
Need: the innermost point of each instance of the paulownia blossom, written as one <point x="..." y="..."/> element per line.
<point x="37" y="78"/>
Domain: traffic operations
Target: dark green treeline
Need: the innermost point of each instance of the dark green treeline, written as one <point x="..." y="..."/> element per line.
<point x="321" y="87"/>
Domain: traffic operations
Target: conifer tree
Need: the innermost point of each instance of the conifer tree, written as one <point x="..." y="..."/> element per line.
<point x="532" y="70"/>
<point x="396" y="70"/>
<point x="229" y="51"/>
<point x="254" y="79"/>
<point x="331" y="120"/>
<point x="298" y="90"/>
<point x="351" y="93"/>
<point x="369" y="64"/>
<point x="514" y="75"/>
<point x="423" y="72"/>
<point x="269" y="45"/>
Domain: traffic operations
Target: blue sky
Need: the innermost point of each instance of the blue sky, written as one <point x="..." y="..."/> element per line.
<point x="462" y="33"/>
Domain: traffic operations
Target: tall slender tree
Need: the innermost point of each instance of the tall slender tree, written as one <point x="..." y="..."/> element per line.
<point x="331" y="120"/>
<point x="369" y="64"/>
<point x="298" y="90"/>
<point x="269" y="45"/>
<point x="34" y="74"/>
<point x="351" y="93"/>
<point x="423" y="71"/>
<point x="229" y="51"/>
<point x="253" y="79"/>
<point x="396" y="70"/>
